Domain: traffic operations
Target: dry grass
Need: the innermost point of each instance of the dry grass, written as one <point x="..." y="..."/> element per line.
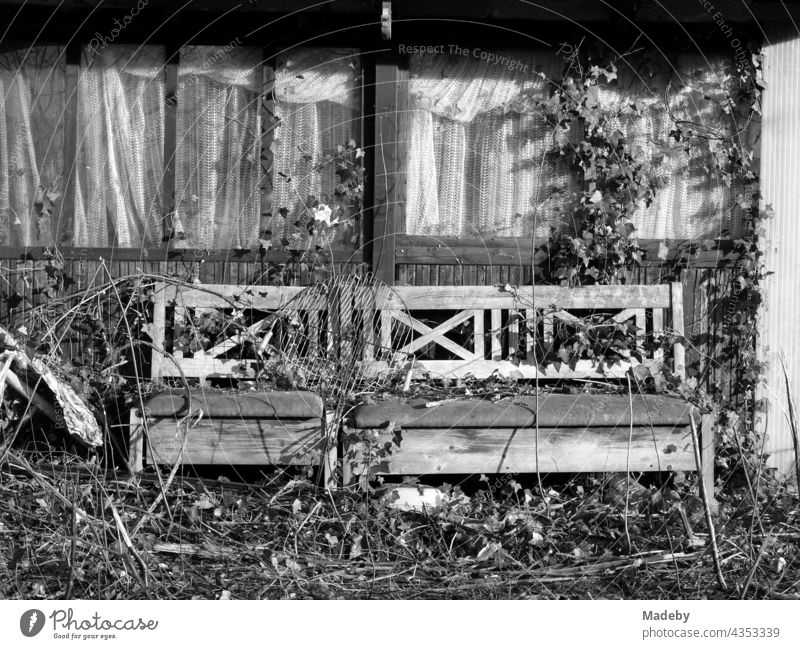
<point x="69" y="531"/>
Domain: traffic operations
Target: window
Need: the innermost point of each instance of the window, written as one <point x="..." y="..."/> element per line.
<point x="218" y="151"/>
<point x="477" y="163"/>
<point x="32" y="87"/>
<point x="481" y="160"/>
<point x="701" y="95"/>
<point x="120" y="148"/>
<point x="260" y="151"/>
<point x="317" y="117"/>
<point x="270" y="151"/>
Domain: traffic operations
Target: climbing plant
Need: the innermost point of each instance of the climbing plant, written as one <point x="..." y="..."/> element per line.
<point x="601" y="245"/>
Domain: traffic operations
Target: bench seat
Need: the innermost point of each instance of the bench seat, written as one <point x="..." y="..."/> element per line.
<point x="566" y="433"/>
<point x="520" y="412"/>
<point x="246" y="428"/>
<point x="250" y="405"/>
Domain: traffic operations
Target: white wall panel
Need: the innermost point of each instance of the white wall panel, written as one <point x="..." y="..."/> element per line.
<point x="780" y="183"/>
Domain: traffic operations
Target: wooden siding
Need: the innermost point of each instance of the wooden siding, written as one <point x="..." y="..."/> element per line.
<point x="779" y="172"/>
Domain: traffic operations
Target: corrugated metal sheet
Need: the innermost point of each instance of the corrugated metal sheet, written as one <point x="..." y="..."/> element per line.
<point x="780" y="174"/>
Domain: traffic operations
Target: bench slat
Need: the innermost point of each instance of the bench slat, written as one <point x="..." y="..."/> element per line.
<point x="491" y="297"/>
<point x="239" y="441"/>
<point x="513" y="450"/>
<point x="226" y="296"/>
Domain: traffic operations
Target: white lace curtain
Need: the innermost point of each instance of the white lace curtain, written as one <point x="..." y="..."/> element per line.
<point x="475" y="162"/>
<point x="218" y="153"/>
<point x="690" y="203"/>
<point x="32" y="97"/>
<point x="317" y="95"/>
<point x="120" y="165"/>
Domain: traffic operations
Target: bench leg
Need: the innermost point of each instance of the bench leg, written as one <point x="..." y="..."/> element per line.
<point x="136" y="443"/>
<point x="707" y="443"/>
<point x="329" y="458"/>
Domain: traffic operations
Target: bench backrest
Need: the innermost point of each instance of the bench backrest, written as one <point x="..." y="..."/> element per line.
<point x="507" y="321"/>
<point x="506" y="326"/>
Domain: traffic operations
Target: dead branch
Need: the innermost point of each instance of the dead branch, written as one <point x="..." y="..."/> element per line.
<point x="78" y="419"/>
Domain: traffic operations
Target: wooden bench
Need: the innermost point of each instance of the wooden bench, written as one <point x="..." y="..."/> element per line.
<point x="504" y="329"/>
<point x="548" y="433"/>
<point x="200" y="425"/>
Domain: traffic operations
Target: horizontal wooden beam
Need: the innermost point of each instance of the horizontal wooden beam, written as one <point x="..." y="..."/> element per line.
<point x="492" y="297"/>
<point x="222" y="296"/>
<point x="512" y="251"/>
<point x="484" y="369"/>
<point x="514" y="450"/>
<point x="186" y="255"/>
<point x="237" y="441"/>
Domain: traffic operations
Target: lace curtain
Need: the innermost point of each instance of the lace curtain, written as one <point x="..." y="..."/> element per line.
<point x="475" y="164"/>
<point x="32" y="98"/>
<point x="690" y="203"/>
<point x="120" y="147"/>
<point x="317" y="95"/>
<point x="218" y="153"/>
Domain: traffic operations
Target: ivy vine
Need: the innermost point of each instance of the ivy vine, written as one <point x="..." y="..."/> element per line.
<point x="601" y="246"/>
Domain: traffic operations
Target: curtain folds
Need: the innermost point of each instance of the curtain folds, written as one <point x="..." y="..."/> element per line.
<point x="476" y="161"/>
<point x="218" y="153"/>
<point x="120" y="166"/>
<point x="32" y="97"/>
<point x="317" y="95"/>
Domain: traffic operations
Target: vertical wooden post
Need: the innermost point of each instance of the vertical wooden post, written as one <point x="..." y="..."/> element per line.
<point x="658" y="330"/>
<point x="513" y="332"/>
<point x="386" y="166"/>
<point x="158" y="331"/>
<point x="136" y="441"/>
<point x="679" y="351"/>
<point x="170" y="138"/>
<point x="496" y="333"/>
<point x="707" y="449"/>
<point x="478" y="334"/>
<point x="329" y="430"/>
<point x="63" y="227"/>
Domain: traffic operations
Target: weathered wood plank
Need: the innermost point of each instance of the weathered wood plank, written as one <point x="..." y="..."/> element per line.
<point x="496" y="334"/>
<point x="478" y="334"/>
<point x="514" y="450"/>
<point x="222" y="296"/>
<point x="135" y="443"/>
<point x="483" y="369"/>
<point x="679" y="352"/>
<point x="513" y="332"/>
<point x="658" y="330"/>
<point x="158" y="332"/>
<point x="238" y="441"/>
<point x="491" y="297"/>
<point x="208" y="367"/>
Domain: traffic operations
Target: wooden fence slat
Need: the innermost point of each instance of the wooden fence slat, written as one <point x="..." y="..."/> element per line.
<point x="478" y="335"/>
<point x="492" y="297"/>
<point x="658" y="330"/>
<point x="513" y="332"/>
<point x="679" y="351"/>
<point x="497" y="332"/>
